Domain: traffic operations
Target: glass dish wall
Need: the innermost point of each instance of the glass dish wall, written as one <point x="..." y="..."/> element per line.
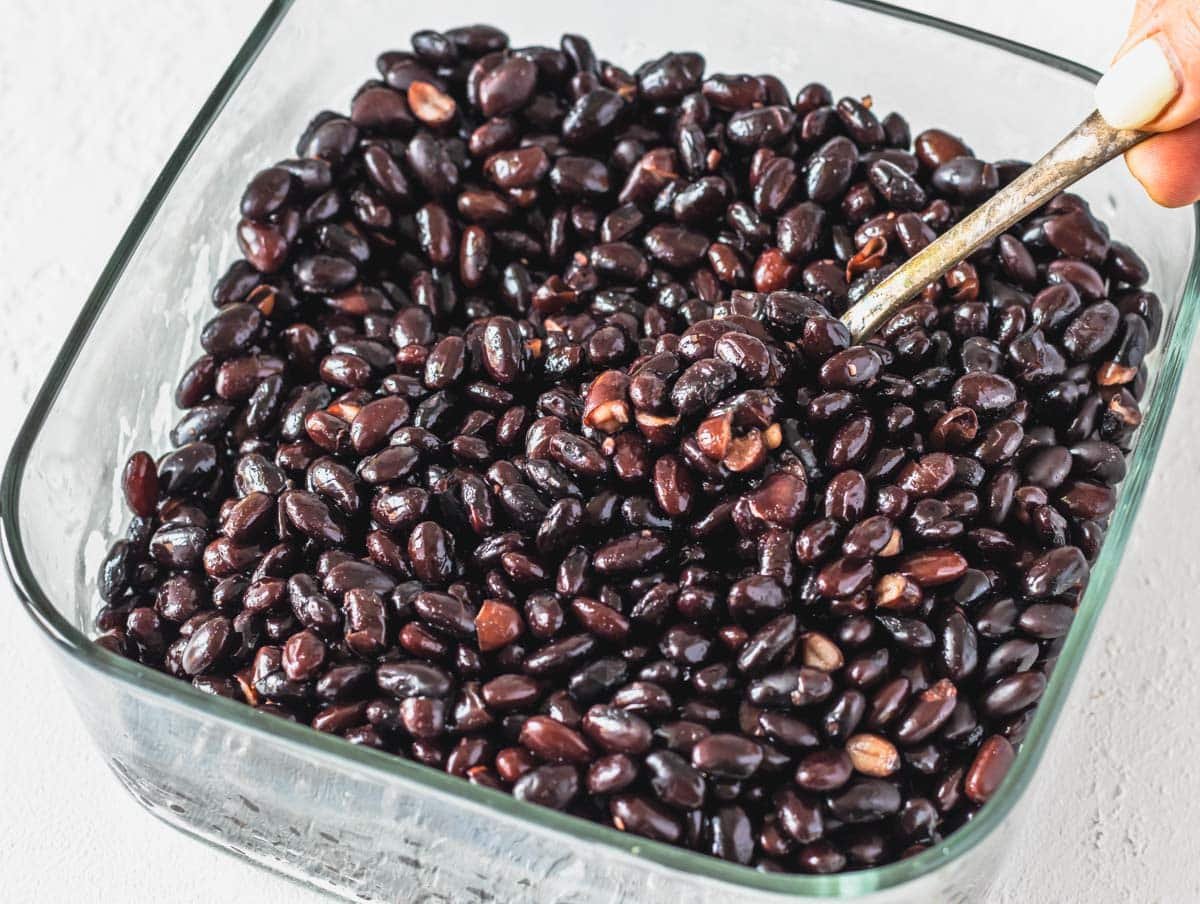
<point x="362" y="823"/>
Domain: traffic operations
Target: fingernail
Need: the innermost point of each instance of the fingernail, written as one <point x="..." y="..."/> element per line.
<point x="1137" y="87"/>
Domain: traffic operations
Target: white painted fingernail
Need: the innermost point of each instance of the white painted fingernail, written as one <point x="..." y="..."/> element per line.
<point x="1137" y="87"/>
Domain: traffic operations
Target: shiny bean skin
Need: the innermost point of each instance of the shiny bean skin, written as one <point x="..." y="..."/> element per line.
<point x="525" y="441"/>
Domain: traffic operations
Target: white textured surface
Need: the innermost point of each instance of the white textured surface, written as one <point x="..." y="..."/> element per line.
<point x="92" y="100"/>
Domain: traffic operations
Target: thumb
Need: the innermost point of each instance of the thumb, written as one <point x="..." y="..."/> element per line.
<point x="1154" y="82"/>
<point x="1155" y="85"/>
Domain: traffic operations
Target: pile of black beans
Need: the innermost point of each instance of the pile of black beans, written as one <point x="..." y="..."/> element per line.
<point x="526" y="443"/>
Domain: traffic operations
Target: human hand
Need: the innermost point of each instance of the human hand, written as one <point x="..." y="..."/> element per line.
<point x="1154" y="84"/>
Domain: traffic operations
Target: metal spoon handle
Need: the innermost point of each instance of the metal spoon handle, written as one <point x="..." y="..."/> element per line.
<point x="1089" y="145"/>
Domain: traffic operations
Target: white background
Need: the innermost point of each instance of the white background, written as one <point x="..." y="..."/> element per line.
<point x="93" y="98"/>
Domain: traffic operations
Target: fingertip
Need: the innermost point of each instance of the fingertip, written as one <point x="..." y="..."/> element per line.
<point x="1168" y="166"/>
<point x="1172" y="27"/>
<point x="1138" y="87"/>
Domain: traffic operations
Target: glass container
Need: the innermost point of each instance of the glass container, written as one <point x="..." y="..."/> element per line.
<point x="362" y="823"/>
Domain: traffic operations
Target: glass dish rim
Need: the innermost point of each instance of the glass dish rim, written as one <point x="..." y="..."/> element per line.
<point x="76" y="645"/>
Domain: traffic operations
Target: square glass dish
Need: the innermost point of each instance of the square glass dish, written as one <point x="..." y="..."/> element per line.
<point x="369" y="825"/>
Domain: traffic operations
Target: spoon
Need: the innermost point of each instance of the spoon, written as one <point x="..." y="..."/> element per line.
<point x="1131" y="94"/>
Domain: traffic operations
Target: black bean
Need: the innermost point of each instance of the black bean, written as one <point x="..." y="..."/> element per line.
<point x="965" y="179"/>
<point x="898" y="188"/>
<point x="312" y="517"/>
<point x="549" y="786"/>
<point x="527" y="443"/>
<point x="732" y="835"/>
<point x="311" y="606"/>
<point x="675" y="781"/>
<point x="830" y="169"/>
<point x="727" y="756"/>
<point x="592" y="116"/>
<point x="1056" y="572"/>
<point x="866" y="800"/>
<point x="207" y="645"/>
<point x="761" y="127"/>
<point x="506" y="88"/>
<point x="551" y="740"/>
<point x="1012" y="694"/>
<point x="675" y="246"/>
<point x="188" y="469"/>
<point x="643" y="817"/>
